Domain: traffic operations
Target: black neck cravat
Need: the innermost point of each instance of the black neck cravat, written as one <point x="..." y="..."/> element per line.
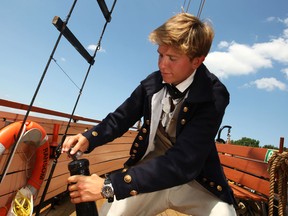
<point x="174" y="92"/>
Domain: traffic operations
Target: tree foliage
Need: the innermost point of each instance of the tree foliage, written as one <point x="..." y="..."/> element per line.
<point x="245" y="141"/>
<point x="270" y="147"/>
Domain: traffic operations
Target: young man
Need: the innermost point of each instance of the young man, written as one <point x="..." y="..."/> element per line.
<point x="174" y="162"/>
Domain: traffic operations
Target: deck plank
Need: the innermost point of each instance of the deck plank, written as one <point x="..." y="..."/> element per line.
<point x="66" y="208"/>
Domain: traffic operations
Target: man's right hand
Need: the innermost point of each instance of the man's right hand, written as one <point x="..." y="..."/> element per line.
<point x="75" y="143"/>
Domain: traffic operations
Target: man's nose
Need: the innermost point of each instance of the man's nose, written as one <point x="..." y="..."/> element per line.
<point x="162" y="63"/>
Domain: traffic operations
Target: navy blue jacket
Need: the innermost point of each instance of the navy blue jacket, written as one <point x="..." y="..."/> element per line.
<point x="193" y="156"/>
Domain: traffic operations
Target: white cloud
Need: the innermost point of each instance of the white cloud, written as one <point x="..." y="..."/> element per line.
<point x="270" y="19"/>
<point x="223" y="44"/>
<point x="93" y="47"/>
<point x="285" y="71"/>
<point x="285" y="33"/>
<point x="236" y="59"/>
<point x="276" y="49"/>
<point x="285" y="21"/>
<point x="268" y="84"/>
<point x="277" y="19"/>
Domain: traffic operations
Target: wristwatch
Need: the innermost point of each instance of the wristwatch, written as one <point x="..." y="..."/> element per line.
<point x="107" y="190"/>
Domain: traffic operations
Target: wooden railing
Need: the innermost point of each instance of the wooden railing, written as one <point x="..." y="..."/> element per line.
<point x="102" y="160"/>
<point x="246" y="169"/>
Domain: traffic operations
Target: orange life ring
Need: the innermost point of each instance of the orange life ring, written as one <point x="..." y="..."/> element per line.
<point x="35" y="134"/>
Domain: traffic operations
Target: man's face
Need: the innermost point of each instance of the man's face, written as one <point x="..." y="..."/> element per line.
<point x="175" y="67"/>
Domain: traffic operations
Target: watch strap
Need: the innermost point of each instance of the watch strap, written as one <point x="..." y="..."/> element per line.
<point x="107" y="179"/>
<point x="108" y="182"/>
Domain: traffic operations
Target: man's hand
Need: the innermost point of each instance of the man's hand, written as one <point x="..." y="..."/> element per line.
<point x="76" y="142"/>
<point x="85" y="188"/>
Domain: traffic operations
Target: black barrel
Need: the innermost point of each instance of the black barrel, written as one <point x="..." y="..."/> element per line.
<point x="81" y="167"/>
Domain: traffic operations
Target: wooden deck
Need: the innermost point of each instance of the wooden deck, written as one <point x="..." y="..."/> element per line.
<point x="65" y="208"/>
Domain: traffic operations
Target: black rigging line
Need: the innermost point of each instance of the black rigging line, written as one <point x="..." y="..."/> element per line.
<point x="44" y="73"/>
<point x="65" y="73"/>
<point x="202" y="2"/>
<point x="200" y="8"/>
<point x="14" y="146"/>
<point x="59" y="147"/>
<point x="188" y="5"/>
<point x="184" y="5"/>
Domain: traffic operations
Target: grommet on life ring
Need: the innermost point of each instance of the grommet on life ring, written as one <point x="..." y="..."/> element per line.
<point x="35" y="134"/>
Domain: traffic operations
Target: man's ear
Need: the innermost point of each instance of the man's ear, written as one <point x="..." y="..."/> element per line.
<point x="197" y="61"/>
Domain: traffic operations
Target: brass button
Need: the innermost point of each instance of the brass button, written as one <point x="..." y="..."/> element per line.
<point x="124" y="170"/>
<point x="132" y="156"/>
<point x="185" y="109"/>
<point x="133" y="193"/>
<point x="136" y="145"/>
<point x="144" y="130"/>
<point x="183" y="121"/>
<point x="140" y="138"/>
<point x="212" y="184"/>
<point x="147" y="122"/>
<point x="127" y="179"/>
<point x="219" y="188"/>
<point x="94" y="133"/>
<point x="134" y="151"/>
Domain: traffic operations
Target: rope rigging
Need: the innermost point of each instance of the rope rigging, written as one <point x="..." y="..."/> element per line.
<point x="184" y="4"/>
<point x="64" y="30"/>
<point x="14" y="147"/>
<point x="200" y="9"/>
<point x="65" y="73"/>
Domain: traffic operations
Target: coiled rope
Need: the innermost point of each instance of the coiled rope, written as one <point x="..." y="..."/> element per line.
<point x="278" y="170"/>
<point x="22" y="205"/>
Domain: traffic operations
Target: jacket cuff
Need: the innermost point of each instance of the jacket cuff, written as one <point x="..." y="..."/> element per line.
<point x="124" y="184"/>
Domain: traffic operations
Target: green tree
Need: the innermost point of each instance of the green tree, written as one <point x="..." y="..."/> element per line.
<point x="245" y="141"/>
<point x="270" y="147"/>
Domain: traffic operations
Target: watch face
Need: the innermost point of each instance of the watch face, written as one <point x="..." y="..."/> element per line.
<point x="107" y="191"/>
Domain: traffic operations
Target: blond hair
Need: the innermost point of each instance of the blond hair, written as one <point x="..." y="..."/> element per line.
<point x="186" y="33"/>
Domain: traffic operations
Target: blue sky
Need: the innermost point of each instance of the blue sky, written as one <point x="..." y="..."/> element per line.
<point x="249" y="54"/>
